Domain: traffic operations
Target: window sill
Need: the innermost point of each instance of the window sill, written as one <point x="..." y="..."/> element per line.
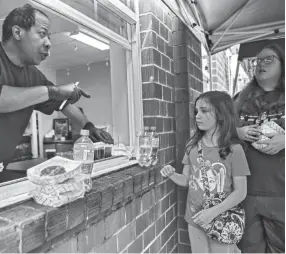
<point x="17" y="191"/>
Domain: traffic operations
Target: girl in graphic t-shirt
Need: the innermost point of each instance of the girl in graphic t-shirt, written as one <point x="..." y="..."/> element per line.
<point x="226" y="164"/>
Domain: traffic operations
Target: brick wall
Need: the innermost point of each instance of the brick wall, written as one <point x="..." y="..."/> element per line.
<point x="133" y="210"/>
<point x="188" y="85"/>
<point x="159" y="105"/>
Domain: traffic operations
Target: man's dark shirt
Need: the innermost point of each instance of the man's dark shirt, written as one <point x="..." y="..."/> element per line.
<point x="13" y="124"/>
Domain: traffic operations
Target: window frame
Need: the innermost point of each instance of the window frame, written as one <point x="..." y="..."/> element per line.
<point x="18" y="190"/>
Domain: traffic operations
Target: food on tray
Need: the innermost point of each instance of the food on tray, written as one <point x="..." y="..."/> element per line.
<point x="53" y="171"/>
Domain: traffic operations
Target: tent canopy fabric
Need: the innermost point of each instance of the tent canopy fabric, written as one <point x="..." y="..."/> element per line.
<point x="251" y="49"/>
<point x="225" y="23"/>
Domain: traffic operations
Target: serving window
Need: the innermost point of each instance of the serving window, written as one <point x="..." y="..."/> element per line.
<point x="91" y="44"/>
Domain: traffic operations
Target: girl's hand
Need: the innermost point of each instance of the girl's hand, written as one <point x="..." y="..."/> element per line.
<point x="249" y="133"/>
<point x="167" y="171"/>
<point x="204" y="217"/>
<point x="274" y="145"/>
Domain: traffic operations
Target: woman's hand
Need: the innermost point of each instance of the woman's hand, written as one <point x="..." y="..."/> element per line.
<point x="205" y="217"/>
<point x="249" y="133"/>
<point x="167" y="171"/>
<point x="275" y="144"/>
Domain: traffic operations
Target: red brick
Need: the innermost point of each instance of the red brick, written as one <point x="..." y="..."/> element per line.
<point x="91" y="237"/>
<point x="165" y="203"/>
<point x="182" y="224"/>
<point x="160" y="13"/>
<point x="126" y="236"/>
<point x="111" y="245"/>
<point x="147" y="6"/>
<point x="178" y="38"/>
<point x="170" y="80"/>
<point x="170" y="185"/>
<point x="31" y="222"/>
<point x="136" y="173"/>
<point x="155" y="246"/>
<point x="173" y="196"/>
<point x="181" y="80"/>
<point x="76" y="213"/>
<point x="9" y="237"/>
<point x="182" y="124"/>
<point x="177" y="24"/>
<point x="142" y="223"/>
<point x="149" y="22"/>
<point x="170" y="215"/>
<point x="106" y="189"/>
<point x="148" y="39"/>
<point x="184" y="237"/>
<point x="165" y="63"/>
<point x="69" y="246"/>
<point x="163" y="250"/>
<point x="182" y="208"/>
<point x="171" y="109"/>
<point x="160" y="225"/>
<point x="150" y="73"/>
<point x="168" y="124"/>
<point x="118" y="190"/>
<point x="145" y="180"/>
<point x="180" y="51"/>
<point x="113" y="222"/>
<point x="169" y="50"/>
<point x="171" y="244"/>
<point x="182" y="95"/>
<point x="136" y="246"/>
<point x="184" y="248"/>
<point x="162" y="77"/>
<point x="161" y="45"/>
<point x="167" y="20"/>
<point x="152" y="214"/>
<point x="163" y="108"/>
<point x="149" y="236"/>
<point x="158" y="210"/>
<point x="93" y="201"/>
<point x="164" y="31"/>
<point x="151" y="91"/>
<point x="146" y="201"/>
<point x="151" y="178"/>
<point x="151" y="107"/>
<point x="150" y="56"/>
<point x="167" y="94"/>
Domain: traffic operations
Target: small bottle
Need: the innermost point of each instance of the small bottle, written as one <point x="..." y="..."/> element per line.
<point x="83" y="151"/>
<point x="154" y="145"/>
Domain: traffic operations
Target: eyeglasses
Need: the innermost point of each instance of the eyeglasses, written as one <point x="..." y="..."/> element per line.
<point x="266" y="60"/>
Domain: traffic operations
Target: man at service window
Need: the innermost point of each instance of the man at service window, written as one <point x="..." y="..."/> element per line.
<point x="23" y="88"/>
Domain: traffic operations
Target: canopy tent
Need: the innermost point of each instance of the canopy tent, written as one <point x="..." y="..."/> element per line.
<point x="224" y="23"/>
<point x="251" y="49"/>
<point x="220" y="24"/>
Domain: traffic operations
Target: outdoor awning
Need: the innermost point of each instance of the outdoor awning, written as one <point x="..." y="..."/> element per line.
<point x="251" y="49"/>
<point x="224" y="23"/>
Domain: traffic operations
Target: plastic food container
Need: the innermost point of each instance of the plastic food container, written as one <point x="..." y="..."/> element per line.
<point x="102" y="150"/>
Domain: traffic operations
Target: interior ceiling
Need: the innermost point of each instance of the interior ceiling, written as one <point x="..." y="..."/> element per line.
<point x="66" y="52"/>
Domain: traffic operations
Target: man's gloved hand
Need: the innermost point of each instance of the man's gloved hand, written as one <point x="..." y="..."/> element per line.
<point x="97" y="134"/>
<point x="70" y="92"/>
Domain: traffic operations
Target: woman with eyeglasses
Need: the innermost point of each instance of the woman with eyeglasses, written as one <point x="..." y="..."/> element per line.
<point x="263" y="99"/>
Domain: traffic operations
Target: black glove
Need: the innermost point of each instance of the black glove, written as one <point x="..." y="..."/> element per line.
<point x="97" y="134"/>
<point x="69" y="92"/>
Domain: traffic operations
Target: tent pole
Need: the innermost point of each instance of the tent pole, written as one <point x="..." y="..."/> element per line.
<point x="235" y="78"/>
<point x="210" y="66"/>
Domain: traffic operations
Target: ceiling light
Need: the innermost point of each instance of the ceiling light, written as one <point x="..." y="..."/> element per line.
<point x="90" y="38"/>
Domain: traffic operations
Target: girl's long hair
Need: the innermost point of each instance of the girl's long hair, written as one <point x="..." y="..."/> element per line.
<point x="253" y="91"/>
<point x="225" y="122"/>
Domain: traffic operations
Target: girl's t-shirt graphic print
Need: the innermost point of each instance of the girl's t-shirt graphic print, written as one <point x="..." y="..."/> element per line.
<point x="219" y="173"/>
